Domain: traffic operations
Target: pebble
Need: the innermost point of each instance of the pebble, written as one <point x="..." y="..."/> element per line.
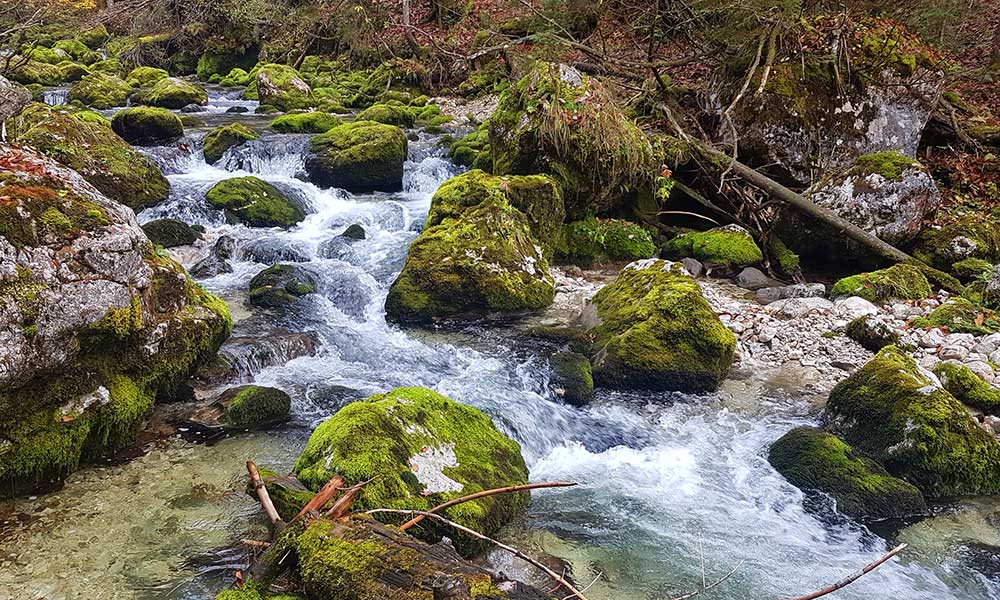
<point x="794" y="308"/>
<point x="854" y="307"/>
<point x="933" y="338"/>
<point x="752" y="278"/>
<point x="983" y="369"/>
<point x="958" y="353"/>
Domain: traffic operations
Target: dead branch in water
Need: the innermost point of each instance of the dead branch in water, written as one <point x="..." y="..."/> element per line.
<point x="853" y="576"/>
<point x="555" y="576"/>
<point x="717" y="582"/>
<point x="262" y="495"/>
<point x="483" y="494"/>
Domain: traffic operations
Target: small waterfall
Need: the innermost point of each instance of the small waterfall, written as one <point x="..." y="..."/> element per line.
<point x="248" y="355"/>
<point x="271" y="156"/>
<point x="55" y="96"/>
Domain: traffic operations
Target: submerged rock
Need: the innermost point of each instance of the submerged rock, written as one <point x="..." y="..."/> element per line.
<point x="253" y="407"/>
<point x="145" y="126"/>
<point x="656" y="331"/>
<point x="361" y="156"/>
<point x="220" y="139"/>
<point x="255" y="202"/>
<point x="421" y="449"/>
<point x="811" y="459"/>
<point x="217" y="262"/>
<point x="170" y="233"/>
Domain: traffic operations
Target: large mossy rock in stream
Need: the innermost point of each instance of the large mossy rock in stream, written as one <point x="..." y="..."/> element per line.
<point x="283" y="88"/>
<point x="813" y="460"/>
<point x="144" y="77"/>
<point x="146" y="126"/>
<point x="174" y="94"/>
<point x="222" y="138"/>
<point x="656" y="331"/>
<point x="82" y="142"/>
<point x="170" y="233"/>
<point x="93" y="323"/>
<point x="389" y="114"/>
<point x="481" y="253"/>
<point x="255" y="202"/>
<point x="359" y="157"/>
<point x="253" y="407"/>
<point x="898" y="414"/>
<point x="556" y="120"/>
<point x="72" y="71"/>
<point x="727" y="246"/>
<point x="281" y="286"/>
<point x="100" y="90"/>
<point x="898" y="282"/>
<point x="307" y="122"/>
<point x="420" y="449"/>
<point x="33" y="72"/>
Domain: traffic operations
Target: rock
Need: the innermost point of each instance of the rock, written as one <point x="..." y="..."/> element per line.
<point x="973" y="235"/>
<point x="727" y="246"/>
<point x="572" y="379"/>
<point x="693" y="266"/>
<point x="421" y="449"/>
<point x="86" y="145"/>
<point x="603" y="240"/>
<point x="170" y="233"/>
<point x="656" y="331"/>
<point x="932" y="339"/>
<point x="217" y="261"/>
<point x="220" y="139"/>
<point x="253" y="407"/>
<point x="173" y="93"/>
<point x="968" y="387"/>
<point x="797" y="290"/>
<point x="989" y="344"/>
<point x="811" y="459"/>
<point x="796" y="308"/>
<point x="100" y="90"/>
<point x="354" y="232"/>
<point x="255" y="202"/>
<point x="390" y="114"/>
<point x="991" y="293"/>
<point x="192" y="108"/>
<point x="71" y="71"/>
<point x="280" y="286"/>
<point x="872" y="334"/>
<point x="480" y="253"/>
<point x="270" y="251"/>
<point x="579" y="157"/>
<point x="898" y="282"/>
<point x="222" y="63"/>
<point x="13" y="99"/>
<point x="237" y="110"/>
<point x="954" y="353"/>
<point x="145" y="126"/>
<point x="391" y="77"/>
<point x="145" y="77"/>
<point x="899" y="415"/>
<point x="960" y="316"/>
<point x="256" y="346"/>
<point x="93" y="323"/>
<point x="283" y="88"/>
<point x="752" y="278"/>
<point x="971" y="269"/>
<point x="33" y="72"/>
<point x="309" y="122"/>
<point x="361" y="156"/>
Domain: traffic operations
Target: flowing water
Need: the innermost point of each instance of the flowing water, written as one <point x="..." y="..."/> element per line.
<point x="672" y="488"/>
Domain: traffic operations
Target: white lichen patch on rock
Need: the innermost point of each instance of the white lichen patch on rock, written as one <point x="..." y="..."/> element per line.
<point x="428" y="466"/>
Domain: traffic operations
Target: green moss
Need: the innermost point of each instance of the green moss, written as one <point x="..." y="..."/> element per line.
<point x="143" y="125"/>
<point x="388" y="114"/>
<point x="170" y="233"/>
<point x="360" y="157"/>
<point x="75" y="48"/>
<point x="658" y="332"/>
<point x="116" y="424"/>
<point x="889" y="164"/>
<point x="811" y="459"/>
<point x="255" y="407"/>
<point x="872" y="335"/>
<point x="893" y="412"/>
<point x="729" y="246"/>
<point x="71" y="71"/>
<point x="971" y="269"/>
<point x="146" y="76"/>
<point x="100" y="90"/>
<point x="397" y="74"/>
<point x="572" y="377"/>
<point x="968" y="388"/>
<point x="255" y="202"/>
<point x="95" y="36"/>
<point x="959" y="315"/>
<point x="600" y="240"/>
<point x="473" y="150"/>
<point x="310" y="122"/>
<point x="788" y="261"/>
<point x="33" y="72"/>
<point x="121" y="322"/>
<point x="384" y="435"/>
<point x="46" y="55"/>
<point x="174" y="94"/>
<point x="283" y="87"/>
<point x="899" y="282"/>
<point x="220" y="139"/>
<point x="280" y="285"/>
<point x="211" y="63"/>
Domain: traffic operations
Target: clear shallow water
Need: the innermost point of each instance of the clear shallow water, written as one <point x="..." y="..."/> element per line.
<point x="663" y="480"/>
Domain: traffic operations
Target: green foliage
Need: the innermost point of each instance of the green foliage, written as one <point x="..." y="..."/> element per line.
<point x="223" y="64"/>
<point x="220" y="139"/>
<point x="899" y="282"/>
<point x="255" y="202"/>
<point x="600" y="240"/>
<point x="728" y="246"/>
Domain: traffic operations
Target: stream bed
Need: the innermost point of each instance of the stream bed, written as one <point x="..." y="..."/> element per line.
<point x="669" y="484"/>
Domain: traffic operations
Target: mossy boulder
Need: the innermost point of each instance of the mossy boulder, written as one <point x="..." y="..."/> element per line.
<point x="389" y="114"/>
<point x="73" y="47"/>
<point x="728" y="246"/>
<point x="145" y="76"/>
<point x="253" y="407"/>
<point x="362" y="156"/>
<point x="556" y="120"/>
<point x="283" y="88"/>
<point x="46" y="55"/>
<point x="86" y="145"/>
<point x="970" y="389"/>
<point x="280" y="286"/>
<point x="223" y="63"/>
<point x="220" y="139"/>
<point x="255" y="202"/>
<point x="170" y="233"/>
<point x="71" y="71"/>
<point x="898" y="414"/>
<point x="420" y="449"/>
<point x="94" y="36"/>
<point x="33" y="72"/>
<point x="959" y="315"/>
<point x="971" y="269"/>
<point x="473" y="150"/>
<point x="173" y="93"/>
<point x="572" y="378"/>
<point x="602" y="240"/>
<point x="898" y="282"/>
<point x="478" y="256"/>
<point x="310" y="122"/>
<point x="100" y="90"/>
<point x="813" y="460"/>
<point x="872" y="334"/>
<point x="657" y="332"/>
<point x="392" y="76"/>
<point x="147" y="126"/>
<point x="78" y="381"/>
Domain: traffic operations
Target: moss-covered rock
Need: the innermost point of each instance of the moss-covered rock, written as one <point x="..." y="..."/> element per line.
<point x="656" y="331"/>
<point x="253" y="407"/>
<point x="898" y="414"/>
<point x="359" y="157"/>
<point x="898" y="282"/>
<point x="389" y="114"/>
<point x="572" y="378"/>
<point x="173" y="93"/>
<point x="146" y="76"/>
<point x="100" y="90"/>
<point x="280" y="286"/>
<point x="873" y="335"/>
<point x="94" y="36"/>
<point x="971" y="269"/>
<point x="811" y="459"/>
<point x="222" y="63"/>
<point x="286" y="491"/>
<point x="32" y="72"/>
<point x="969" y="388"/>
<point x="973" y="235"/>
<point x="959" y="315"/>
<point x="310" y="122"/>
<point x="727" y="246"/>
<point x="73" y="47"/>
<point x="147" y="126"/>
<point x="255" y="202"/>
<point x="46" y="55"/>
<point x="422" y="449"/>
<point x="473" y="150"/>
<point x="220" y="139"/>
<point x="556" y="120"/>
<point x="601" y="240"/>
<point x="283" y="88"/>
<point x="395" y="75"/>
<point x="85" y="144"/>
<point x="477" y="256"/>
<point x="170" y="233"/>
<point x="71" y="71"/>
